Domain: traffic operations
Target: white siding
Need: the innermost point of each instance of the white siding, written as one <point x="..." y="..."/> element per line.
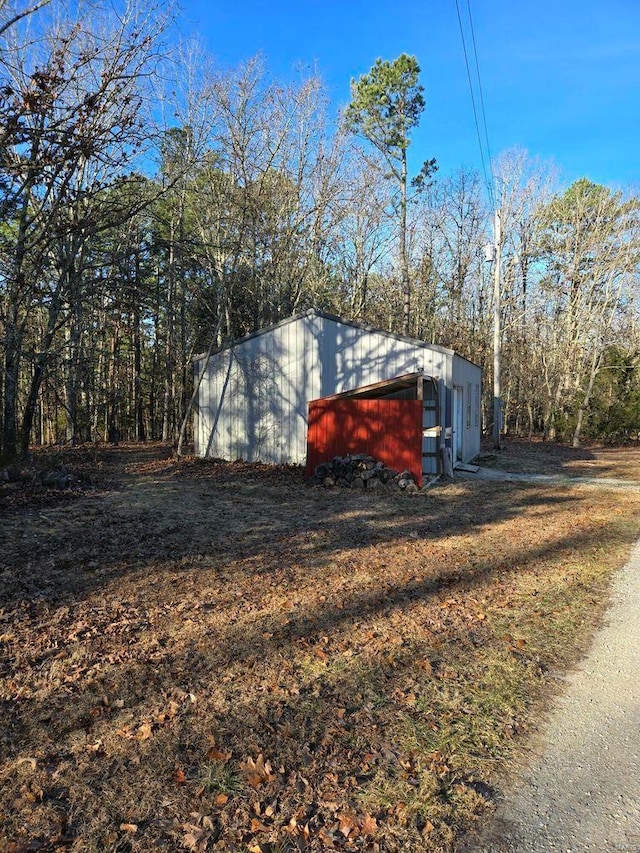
<point x="351" y="357"/>
<point x="468" y="377"/>
<point x="254" y="398"/>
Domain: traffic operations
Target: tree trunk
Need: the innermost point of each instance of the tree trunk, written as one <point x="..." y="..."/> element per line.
<point x="595" y="367"/>
<point x="74" y="381"/>
<point x="189" y="408"/>
<point x="39" y="372"/>
<point x="155" y="360"/>
<point x="497" y="334"/>
<point x="32" y="398"/>
<point x="11" y="375"/>
<point x="112" y="409"/>
<point x="404" y="262"/>
<point x="31" y="404"/>
<point x="169" y="343"/>
<point x="14" y="330"/>
<point x="138" y="411"/>
<point x="530" y="416"/>
<point x="101" y="379"/>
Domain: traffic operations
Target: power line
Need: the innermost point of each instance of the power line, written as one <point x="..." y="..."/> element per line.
<point x="484" y="113"/>
<point x="489" y="183"/>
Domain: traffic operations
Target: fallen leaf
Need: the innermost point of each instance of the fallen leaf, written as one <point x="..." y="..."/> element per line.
<point x="191" y="840"/>
<point x="145" y="731"/>
<point x="129" y="827"/>
<point x="195" y="838"/>
<point x="427" y="666"/>
<point x="369" y="825"/>
<point x="346" y="824"/>
<point x="327" y="839"/>
<point x="214" y="754"/>
<point x="257" y="771"/>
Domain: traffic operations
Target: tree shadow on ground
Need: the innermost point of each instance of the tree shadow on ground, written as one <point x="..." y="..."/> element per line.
<point x="210" y="516"/>
<point x="330" y="631"/>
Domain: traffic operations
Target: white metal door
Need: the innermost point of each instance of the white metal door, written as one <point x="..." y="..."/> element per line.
<point x="458" y="413"/>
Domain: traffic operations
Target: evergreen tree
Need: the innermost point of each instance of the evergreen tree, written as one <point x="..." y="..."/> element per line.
<point x="386" y="105"/>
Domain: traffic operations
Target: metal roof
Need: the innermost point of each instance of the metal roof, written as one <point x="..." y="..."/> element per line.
<point x="315" y="312"/>
<point x="383" y="388"/>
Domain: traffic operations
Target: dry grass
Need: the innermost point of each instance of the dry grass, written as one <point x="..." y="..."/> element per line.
<point x="215" y="657"/>
<point x="590" y="460"/>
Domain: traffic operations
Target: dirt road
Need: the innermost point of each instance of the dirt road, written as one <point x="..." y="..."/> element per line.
<point x="581" y="789"/>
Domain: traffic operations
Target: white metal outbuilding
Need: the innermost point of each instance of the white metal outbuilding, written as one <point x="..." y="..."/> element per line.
<point x="253" y="401"/>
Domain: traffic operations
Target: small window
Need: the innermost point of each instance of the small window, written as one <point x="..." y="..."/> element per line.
<point x="477" y="406"/>
<point x="468" y="405"/>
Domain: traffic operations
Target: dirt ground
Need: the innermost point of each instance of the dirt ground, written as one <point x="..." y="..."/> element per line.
<point x="208" y="656"/>
<point x="539" y="457"/>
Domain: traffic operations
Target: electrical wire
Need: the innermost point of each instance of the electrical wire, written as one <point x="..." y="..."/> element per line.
<point x="489" y="183"/>
<point x="484" y="113"/>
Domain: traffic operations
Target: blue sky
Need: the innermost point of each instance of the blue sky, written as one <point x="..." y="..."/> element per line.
<point x="561" y="78"/>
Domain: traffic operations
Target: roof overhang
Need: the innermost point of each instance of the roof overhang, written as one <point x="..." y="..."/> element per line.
<point x="383" y="388"/>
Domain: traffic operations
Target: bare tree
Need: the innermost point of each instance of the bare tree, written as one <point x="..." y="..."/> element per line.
<point x="364" y="234"/>
<point x="72" y="124"/>
<point x="13" y="16"/>
<point x="270" y="179"/>
<point x="452" y="232"/>
<point x="523" y="185"/>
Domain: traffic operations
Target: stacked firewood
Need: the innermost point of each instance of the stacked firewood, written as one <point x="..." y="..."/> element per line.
<point x="56" y="479"/>
<point x="361" y="472"/>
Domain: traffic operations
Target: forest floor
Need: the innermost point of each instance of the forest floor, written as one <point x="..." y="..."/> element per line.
<point x="214" y="656"/>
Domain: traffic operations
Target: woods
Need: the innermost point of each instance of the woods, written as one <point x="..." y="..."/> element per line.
<point x="152" y="201"/>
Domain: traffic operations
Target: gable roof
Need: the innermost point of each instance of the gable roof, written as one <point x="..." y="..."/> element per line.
<point x="315" y="312"/>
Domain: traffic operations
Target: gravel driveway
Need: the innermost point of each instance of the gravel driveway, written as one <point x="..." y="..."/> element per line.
<point x="580" y="791"/>
<point x="551" y="479"/>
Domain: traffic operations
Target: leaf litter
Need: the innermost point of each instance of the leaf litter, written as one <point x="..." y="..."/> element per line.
<point x="210" y="656"/>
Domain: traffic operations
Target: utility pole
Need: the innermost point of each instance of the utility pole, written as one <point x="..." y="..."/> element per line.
<point x="497" y="390"/>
